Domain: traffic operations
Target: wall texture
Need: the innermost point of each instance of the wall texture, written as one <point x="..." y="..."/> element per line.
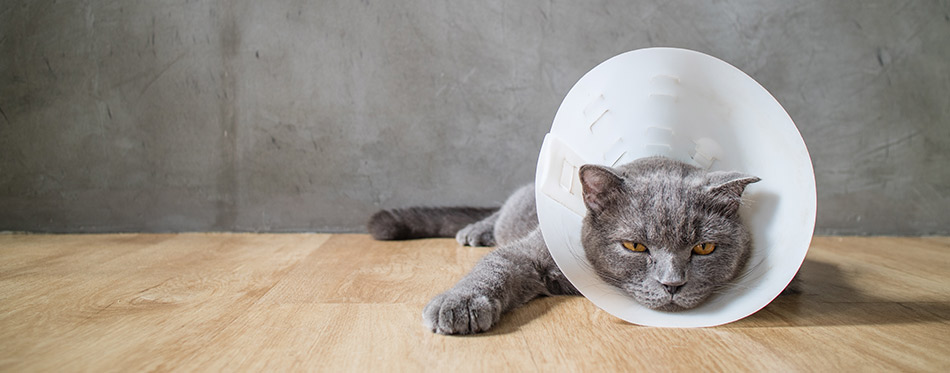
<point x="309" y="115"/>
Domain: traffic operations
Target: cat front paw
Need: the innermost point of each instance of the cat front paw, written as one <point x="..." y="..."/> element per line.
<point x="476" y="234"/>
<point x="455" y="313"/>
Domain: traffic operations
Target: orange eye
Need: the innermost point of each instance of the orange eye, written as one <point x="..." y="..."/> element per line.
<point x="633" y="246"/>
<point x="704" y="248"/>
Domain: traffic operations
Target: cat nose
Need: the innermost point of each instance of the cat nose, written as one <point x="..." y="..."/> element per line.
<point x="671" y="273"/>
<point x="672" y="289"/>
<point x="673" y="283"/>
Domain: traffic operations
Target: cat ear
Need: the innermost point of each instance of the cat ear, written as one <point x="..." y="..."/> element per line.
<point x="726" y="187"/>
<point x="600" y="185"/>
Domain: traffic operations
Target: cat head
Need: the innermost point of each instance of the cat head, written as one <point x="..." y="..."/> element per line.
<point x="665" y="232"/>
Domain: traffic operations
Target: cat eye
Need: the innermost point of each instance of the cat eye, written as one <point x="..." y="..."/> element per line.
<point x="633" y="246"/>
<point x="704" y="248"/>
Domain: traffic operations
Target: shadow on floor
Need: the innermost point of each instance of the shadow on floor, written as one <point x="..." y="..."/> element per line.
<point x="823" y="296"/>
<point x="826" y="297"/>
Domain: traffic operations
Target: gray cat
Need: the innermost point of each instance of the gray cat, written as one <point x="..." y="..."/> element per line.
<point x="665" y="232"/>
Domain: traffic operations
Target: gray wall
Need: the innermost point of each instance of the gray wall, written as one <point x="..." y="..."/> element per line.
<point x="309" y="115"/>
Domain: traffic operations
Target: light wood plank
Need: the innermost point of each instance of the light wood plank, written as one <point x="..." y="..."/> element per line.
<point x="279" y="302"/>
<point x="170" y="293"/>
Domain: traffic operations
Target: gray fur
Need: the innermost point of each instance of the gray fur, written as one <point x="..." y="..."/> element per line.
<point x="667" y="205"/>
<point x="670" y="207"/>
<point x="421" y="222"/>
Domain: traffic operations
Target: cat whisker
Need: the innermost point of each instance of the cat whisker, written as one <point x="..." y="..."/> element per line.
<point x="749" y="274"/>
<point x="609" y="278"/>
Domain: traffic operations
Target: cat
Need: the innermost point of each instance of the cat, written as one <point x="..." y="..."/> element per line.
<point x="664" y="232"/>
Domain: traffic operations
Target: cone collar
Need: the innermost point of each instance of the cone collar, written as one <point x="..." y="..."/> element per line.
<point x="694" y="108"/>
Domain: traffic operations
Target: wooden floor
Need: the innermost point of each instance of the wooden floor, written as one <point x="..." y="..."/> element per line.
<point x="279" y="302"/>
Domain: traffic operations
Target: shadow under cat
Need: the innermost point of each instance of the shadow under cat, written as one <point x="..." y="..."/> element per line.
<point x="822" y="296"/>
<point x="826" y="296"/>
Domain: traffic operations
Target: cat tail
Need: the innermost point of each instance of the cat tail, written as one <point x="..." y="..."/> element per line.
<point x="424" y="222"/>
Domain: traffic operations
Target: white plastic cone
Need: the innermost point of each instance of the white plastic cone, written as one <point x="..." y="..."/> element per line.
<point x="695" y="108"/>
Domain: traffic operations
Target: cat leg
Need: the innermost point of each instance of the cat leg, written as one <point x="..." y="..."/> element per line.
<point x="516" y="218"/>
<point x="501" y="281"/>
<point x="480" y="233"/>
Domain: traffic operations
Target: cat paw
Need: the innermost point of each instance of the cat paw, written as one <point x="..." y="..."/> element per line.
<point x="452" y="313"/>
<point x="476" y="234"/>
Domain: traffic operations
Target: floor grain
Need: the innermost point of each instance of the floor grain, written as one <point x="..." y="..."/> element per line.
<point x="214" y="302"/>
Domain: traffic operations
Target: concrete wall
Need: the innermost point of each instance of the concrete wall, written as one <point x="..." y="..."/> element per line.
<point x="309" y="115"/>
